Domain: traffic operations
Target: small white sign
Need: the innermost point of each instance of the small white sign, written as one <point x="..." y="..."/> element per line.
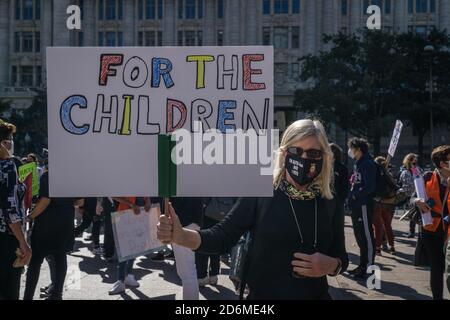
<point x="135" y="235"/>
<point x="395" y="138"/>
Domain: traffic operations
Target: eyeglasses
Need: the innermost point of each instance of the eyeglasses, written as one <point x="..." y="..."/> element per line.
<point x="310" y="153"/>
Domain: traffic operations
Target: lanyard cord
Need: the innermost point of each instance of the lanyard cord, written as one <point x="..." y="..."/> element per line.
<point x="298" y="225"/>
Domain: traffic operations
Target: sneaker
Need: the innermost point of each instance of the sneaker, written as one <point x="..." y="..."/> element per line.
<point x="131" y="281"/>
<point x="169" y="255"/>
<point x="111" y="259"/>
<point x="117" y="288"/>
<point x="213" y="280"/>
<point x="98" y="251"/>
<point x="356" y="270"/>
<point x="411" y="235"/>
<point x="385" y="247"/>
<point x="159" y="257"/>
<point x="203" y="282"/>
<point x="392" y="250"/>
<point x="378" y="252"/>
<point x="360" y="274"/>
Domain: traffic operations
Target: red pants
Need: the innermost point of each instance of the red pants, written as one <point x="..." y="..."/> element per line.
<point x="382" y="222"/>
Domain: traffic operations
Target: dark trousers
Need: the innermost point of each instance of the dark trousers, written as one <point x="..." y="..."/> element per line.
<point x="34" y="269"/>
<point x="9" y="276"/>
<point x="108" y="241"/>
<point x="412" y="226"/>
<point x="201" y="260"/>
<point x="434" y="245"/>
<point x="88" y="219"/>
<point x="362" y="227"/>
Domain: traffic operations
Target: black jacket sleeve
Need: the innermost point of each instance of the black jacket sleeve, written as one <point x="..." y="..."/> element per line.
<point x="224" y="235"/>
<point x="338" y="250"/>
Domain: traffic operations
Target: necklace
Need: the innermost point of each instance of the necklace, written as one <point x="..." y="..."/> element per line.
<point x="298" y="225"/>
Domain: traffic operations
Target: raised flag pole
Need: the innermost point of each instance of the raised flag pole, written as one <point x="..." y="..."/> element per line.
<point x="167" y="171"/>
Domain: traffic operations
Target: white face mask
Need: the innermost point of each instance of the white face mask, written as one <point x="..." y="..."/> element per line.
<point x="350" y="154"/>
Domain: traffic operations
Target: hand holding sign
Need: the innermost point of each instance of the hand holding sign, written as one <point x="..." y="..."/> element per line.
<point x="170" y="229"/>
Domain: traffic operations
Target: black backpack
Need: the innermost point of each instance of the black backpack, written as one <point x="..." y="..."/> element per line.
<point x="385" y="183"/>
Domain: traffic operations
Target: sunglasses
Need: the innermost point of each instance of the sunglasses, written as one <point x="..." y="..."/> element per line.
<point x="310" y="153"/>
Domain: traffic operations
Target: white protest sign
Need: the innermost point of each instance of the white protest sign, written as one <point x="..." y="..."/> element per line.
<point x="108" y="107"/>
<point x="135" y="235"/>
<point x="395" y="138"/>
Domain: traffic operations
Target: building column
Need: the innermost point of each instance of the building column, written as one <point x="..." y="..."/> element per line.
<point x="88" y="25"/>
<point x="128" y="23"/>
<point x="310" y="26"/>
<point x="444" y="15"/>
<point x="232" y="16"/>
<point x="4" y="44"/>
<point x="355" y="15"/>
<point x="251" y="23"/>
<point x="169" y="23"/>
<point x="209" y="29"/>
<point x="400" y="15"/>
<point x="61" y="35"/>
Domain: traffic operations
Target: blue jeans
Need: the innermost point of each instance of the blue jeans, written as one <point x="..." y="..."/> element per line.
<point x="125" y="268"/>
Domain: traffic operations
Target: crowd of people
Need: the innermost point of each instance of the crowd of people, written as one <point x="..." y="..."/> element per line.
<point x="297" y="235"/>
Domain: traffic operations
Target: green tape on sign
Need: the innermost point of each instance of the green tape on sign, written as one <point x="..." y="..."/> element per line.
<point x="167" y="170"/>
<point x="25" y="170"/>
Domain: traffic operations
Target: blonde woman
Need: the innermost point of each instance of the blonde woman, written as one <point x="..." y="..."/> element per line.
<point x="297" y="235"/>
<point x="406" y="183"/>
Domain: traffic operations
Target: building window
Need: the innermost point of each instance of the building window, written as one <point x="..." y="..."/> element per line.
<point x="220" y="9"/>
<point x="110" y="39"/>
<point x="295" y="6"/>
<point x="432" y="6"/>
<point x="120" y="39"/>
<point x="27" y="12"/>
<point x="421" y="6"/>
<point x="120" y="9"/>
<point x="189" y="38"/>
<point x="281" y="70"/>
<point x="199" y="38"/>
<point x="140" y="38"/>
<point x="17" y="3"/>
<point x="281" y="7"/>
<point x="160" y="9"/>
<point x="190" y="9"/>
<point x="387" y="6"/>
<point x="38" y="76"/>
<point x="421" y="30"/>
<point x="266" y="6"/>
<point x="150" y="38"/>
<point x="26" y="76"/>
<point x="295" y="40"/>
<point x="280" y="37"/>
<point x="80" y="39"/>
<point x="180" y="38"/>
<point x="266" y="36"/>
<point x="100" y="39"/>
<point x="220" y="37"/>
<point x="150" y="9"/>
<point x="101" y="7"/>
<point x="13" y="76"/>
<point x="27" y="41"/>
<point x="344" y="7"/>
<point x="16" y="41"/>
<point x="200" y="9"/>
<point x="160" y="38"/>
<point x="37" y="42"/>
<point x="365" y="6"/>
<point x="110" y="9"/>
<point x="295" y="71"/>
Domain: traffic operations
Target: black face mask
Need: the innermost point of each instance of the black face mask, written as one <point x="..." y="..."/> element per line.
<point x="303" y="171"/>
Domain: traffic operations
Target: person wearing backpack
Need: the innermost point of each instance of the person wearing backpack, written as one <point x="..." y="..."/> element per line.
<point x="297" y="235"/>
<point x="215" y="209"/>
<point x="384" y="207"/>
<point x="363" y="186"/>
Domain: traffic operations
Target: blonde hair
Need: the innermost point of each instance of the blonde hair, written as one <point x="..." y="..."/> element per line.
<point x="408" y="158"/>
<point x="297" y="131"/>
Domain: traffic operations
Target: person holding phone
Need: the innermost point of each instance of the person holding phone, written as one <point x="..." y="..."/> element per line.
<point x="297" y="235"/>
<point x="14" y="249"/>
